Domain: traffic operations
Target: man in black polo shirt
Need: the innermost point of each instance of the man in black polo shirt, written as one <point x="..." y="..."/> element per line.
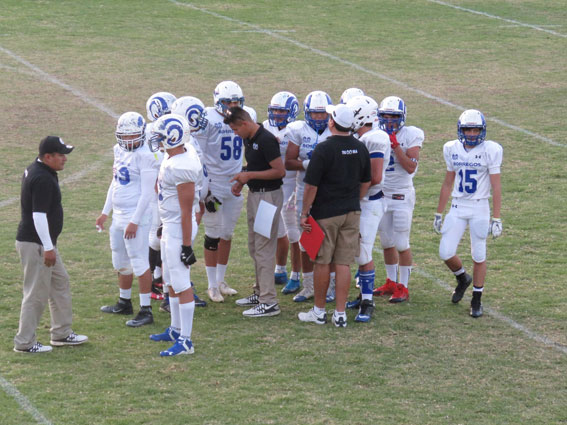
<point x="263" y="175"/>
<point x="45" y="277"/>
<point x="337" y="178"/>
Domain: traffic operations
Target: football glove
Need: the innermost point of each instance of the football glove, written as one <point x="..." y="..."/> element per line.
<point x="393" y="141"/>
<point x="437" y="222"/>
<point x="496" y="227"/>
<point x="187" y="255"/>
<point x="159" y="231"/>
<point x="211" y="202"/>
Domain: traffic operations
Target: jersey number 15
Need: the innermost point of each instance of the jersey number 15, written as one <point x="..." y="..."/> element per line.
<point x="467" y="181"/>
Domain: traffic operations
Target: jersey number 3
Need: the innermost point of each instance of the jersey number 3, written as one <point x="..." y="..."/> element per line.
<point x="467" y="180"/>
<point x="231" y="148"/>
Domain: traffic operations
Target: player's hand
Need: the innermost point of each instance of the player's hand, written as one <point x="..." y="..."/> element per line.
<point x="393" y="141"/>
<point x="99" y="223"/>
<point x="49" y="258"/>
<point x="187" y="255"/>
<point x="437" y="222"/>
<point x="130" y="232"/>
<point x="211" y="203"/>
<point x="496" y="227"/>
<point x="159" y="231"/>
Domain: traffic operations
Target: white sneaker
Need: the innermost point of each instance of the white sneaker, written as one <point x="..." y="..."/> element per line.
<point x="227" y="290"/>
<point x="215" y="295"/>
<point x="262" y="310"/>
<point x="36" y="348"/>
<point x="339" y="320"/>
<point x="307" y="291"/>
<point x="72" y="339"/>
<point x="311" y="316"/>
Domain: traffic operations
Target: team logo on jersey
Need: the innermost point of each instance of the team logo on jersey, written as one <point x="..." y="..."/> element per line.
<point x="455" y="156"/>
<point x="218" y="125"/>
<point x="306" y="139"/>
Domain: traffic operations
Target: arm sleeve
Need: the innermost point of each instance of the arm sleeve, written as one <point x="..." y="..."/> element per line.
<point x="108" y="203"/>
<point x="148" y="177"/>
<point x="42" y="229"/>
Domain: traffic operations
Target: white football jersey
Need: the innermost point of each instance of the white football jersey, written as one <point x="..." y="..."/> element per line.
<point x="127" y="183"/>
<point x="178" y="169"/>
<point x="378" y="144"/>
<point x="222" y="149"/>
<point x="472" y="168"/>
<point x="280" y="133"/>
<point x="300" y="134"/>
<point x="396" y="177"/>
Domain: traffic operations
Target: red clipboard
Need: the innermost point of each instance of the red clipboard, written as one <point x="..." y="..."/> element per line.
<point x="311" y="241"/>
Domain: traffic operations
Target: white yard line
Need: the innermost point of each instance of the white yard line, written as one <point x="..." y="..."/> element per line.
<point x="23" y="401"/>
<point x="500" y="18"/>
<point x="384" y="77"/>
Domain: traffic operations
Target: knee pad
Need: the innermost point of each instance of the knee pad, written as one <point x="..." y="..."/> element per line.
<point x="401" y="221"/>
<point x="402" y="241"/>
<point x="446" y="251"/>
<point x="212" y="244"/>
<point x="124" y="271"/>
<point x="293" y="235"/>
<point x="365" y="256"/>
<point x="479" y="232"/>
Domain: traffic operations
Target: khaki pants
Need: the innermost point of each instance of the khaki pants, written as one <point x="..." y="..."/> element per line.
<point x="263" y="250"/>
<point x="42" y="284"/>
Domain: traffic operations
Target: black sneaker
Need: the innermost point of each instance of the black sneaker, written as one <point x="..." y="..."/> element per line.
<point x="248" y="301"/>
<point x="144" y="317"/>
<point x="123" y="306"/>
<point x="365" y="312"/>
<point x="464" y="280"/>
<point x="198" y="301"/>
<point x="476" y="307"/>
<point x="164" y="306"/>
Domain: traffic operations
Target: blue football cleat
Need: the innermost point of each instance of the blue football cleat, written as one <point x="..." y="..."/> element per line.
<point x="280" y="278"/>
<point x="292" y="286"/>
<point x="181" y="346"/>
<point x="168" y="335"/>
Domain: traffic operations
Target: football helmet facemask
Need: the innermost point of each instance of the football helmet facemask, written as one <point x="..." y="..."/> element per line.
<point x="193" y="110"/>
<point x="471" y="118"/>
<point x="316" y="101"/>
<point x="348" y="94"/>
<point x="159" y="104"/>
<point x="169" y="131"/>
<point x="225" y="93"/>
<point x="130" y="131"/>
<point x="283" y="109"/>
<point x="392" y="105"/>
<point x="365" y="111"/>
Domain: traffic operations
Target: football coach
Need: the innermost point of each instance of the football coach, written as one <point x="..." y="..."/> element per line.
<point x="45" y="277"/>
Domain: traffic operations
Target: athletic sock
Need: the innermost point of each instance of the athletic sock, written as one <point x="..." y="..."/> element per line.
<point x="318" y="310"/>
<point x="366" y="282"/>
<point x="212" y="276"/>
<point x="186" y="312"/>
<point x="392" y="272"/>
<point x="459" y="272"/>
<point x="221" y="272"/>
<point x="157" y="272"/>
<point x="405" y="272"/>
<point x="294" y="276"/>
<point x="125" y="293"/>
<point x="145" y="299"/>
<point x="280" y="269"/>
<point x="175" y="315"/>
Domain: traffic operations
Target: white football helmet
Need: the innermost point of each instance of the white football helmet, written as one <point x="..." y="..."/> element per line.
<point x="316" y="101"/>
<point x="471" y="118"/>
<point x="283" y="109"/>
<point x="348" y="94"/>
<point x="365" y="111"/>
<point x="159" y="104"/>
<point x="130" y="131"/>
<point x="170" y="131"/>
<point x="226" y="92"/>
<point x="392" y="105"/>
<point x="193" y="110"/>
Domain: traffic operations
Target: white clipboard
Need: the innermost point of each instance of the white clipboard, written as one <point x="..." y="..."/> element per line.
<point x="264" y="218"/>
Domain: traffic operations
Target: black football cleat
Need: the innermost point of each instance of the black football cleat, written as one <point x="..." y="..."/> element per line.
<point x="123" y="306"/>
<point x="144" y="317"/>
<point x="464" y="280"/>
<point x="476" y="308"/>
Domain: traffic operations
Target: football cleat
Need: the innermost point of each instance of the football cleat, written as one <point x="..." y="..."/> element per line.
<point x="280" y="278"/>
<point x="307" y="291"/>
<point x="198" y="301"/>
<point x="144" y="317"/>
<point x="365" y="312"/>
<point x="181" y="346"/>
<point x="464" y="280"/>
<point x="400" y="294"/>
<point x="354" y="303"/>
<point x="387" y="289"/>
<point x="164" y="306"/>
<point x="476" y="305"/>
<point x="215" y="295"/>
<point x="311" y="316"/>
<point x="168" y="335"/>
<point x="123" y="306"/>
<point x="292" y="286"/>
<point x="157" y="292"/>
<point x="226" y="290"/>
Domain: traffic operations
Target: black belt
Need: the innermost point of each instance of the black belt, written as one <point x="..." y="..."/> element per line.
<point x="263" y="189"/>
<point x="376" y="196"/>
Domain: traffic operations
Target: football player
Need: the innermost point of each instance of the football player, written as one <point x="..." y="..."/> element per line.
<point x="180" y="175"/>
<point x="157" y="105"/>
<point x="399" y="195"/>
<point x="283" y="110"/>
<point x="222" y="153"/>
<point x="301" y="138"/>
<point x="372" y="205"/>
<point x="473" y="169"/>
<point x="348" y="94"/>
<point x="129" y="195"/>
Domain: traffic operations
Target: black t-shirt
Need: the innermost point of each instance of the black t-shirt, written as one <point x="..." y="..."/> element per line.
<point x="259" y="151"/>
<point x="40" y="193"/>
<point x="337" y="167"/>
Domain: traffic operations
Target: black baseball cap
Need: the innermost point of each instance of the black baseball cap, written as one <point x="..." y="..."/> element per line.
<point x="52" y="144"/>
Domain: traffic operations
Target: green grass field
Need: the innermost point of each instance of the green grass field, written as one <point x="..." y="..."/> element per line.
<point x="71" y="67"/>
